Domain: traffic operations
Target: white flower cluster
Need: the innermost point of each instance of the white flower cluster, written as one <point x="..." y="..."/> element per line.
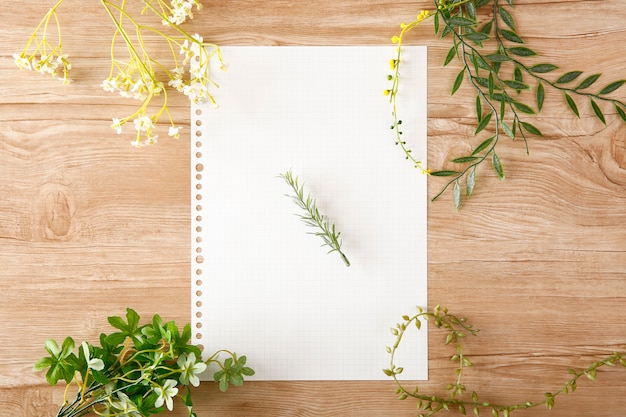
<point x="181" y="10"/>
<point x="45" y="64"/>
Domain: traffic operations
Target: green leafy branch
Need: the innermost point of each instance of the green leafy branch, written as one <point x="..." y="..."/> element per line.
<point x="136" y="371"/>
<point x="500" y="78"/>
<point x="313" y="217"/>
<point x="457" y="329"/>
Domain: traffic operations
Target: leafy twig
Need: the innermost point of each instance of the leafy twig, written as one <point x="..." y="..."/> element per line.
<point x="313" y="217"/>
<point x="458" y="329"/>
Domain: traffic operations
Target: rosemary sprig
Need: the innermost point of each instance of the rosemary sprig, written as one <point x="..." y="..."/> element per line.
<point x="313" y="217"/>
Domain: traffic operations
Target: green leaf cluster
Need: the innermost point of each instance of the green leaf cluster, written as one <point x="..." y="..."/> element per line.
<point x="509" y="82"/>
<point x="128" y="373"/>
<point x="457" y="329"/>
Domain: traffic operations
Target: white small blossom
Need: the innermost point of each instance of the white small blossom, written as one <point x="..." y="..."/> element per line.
<point x="125" y="405"/>
<point x="166" y="393"/>
<point x="22" y="62"/>
<point x="143" y="124"/>
<point x="96" y="363"/>
<point x="174" y="131"/>
<point x="190" y="369"/>
<point x="117" y="125"/>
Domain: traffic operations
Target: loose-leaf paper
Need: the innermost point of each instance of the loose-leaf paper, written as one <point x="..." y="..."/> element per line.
<point x="262" y="286"/>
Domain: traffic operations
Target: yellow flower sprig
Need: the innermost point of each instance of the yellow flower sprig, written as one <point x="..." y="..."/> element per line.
<point x="392" y="92"/>
<point x="134" y="73"/>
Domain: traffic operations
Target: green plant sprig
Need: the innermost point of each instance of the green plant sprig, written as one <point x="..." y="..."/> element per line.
<point x="500" y="92"/>
<point x="313" y="217"/>
<point x="457" y="329"/>
<point x="136" y="371"/>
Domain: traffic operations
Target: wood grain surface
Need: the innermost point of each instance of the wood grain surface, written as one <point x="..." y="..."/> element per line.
<point x="90" y="226"/>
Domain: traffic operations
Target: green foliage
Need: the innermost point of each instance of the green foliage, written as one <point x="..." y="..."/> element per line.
<point x="136" y="371"/>
<point x="502" y="70"/>
<point x="314" y="218"/>
<point x="457" y="329"/>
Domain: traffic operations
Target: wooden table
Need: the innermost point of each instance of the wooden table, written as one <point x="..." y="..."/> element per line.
<point x="89" y="225"/>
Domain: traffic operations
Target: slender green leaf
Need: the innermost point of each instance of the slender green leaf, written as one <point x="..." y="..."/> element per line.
<point x="461" y="21"/>
<point x="471" y="10"/>
<point x="543" y="68"/>
<point x="507" y="18"/>
<point x="498" y="58"/>
<point x="444" y="173"/>
<point x="587" y="82"/>
<point x="568" y="77"/>
<point x="483" y="82"/>
<point x="476" y="37"/>
<point x="507" y="130"/>
<point x="471" y="182"/>
<point x="598" y="111"/>
<point x="522" y="51"/>
<point x="497" y="166"/>
<point x="451" y="55"/>
<point x="531" y="129"/>
<point x="465" y="159"/>
<point x="491" y="84"/>
<point x="612" y="87"/>
<point x="541" y="96"/>
<point x="523" y="107"/>
<point x="572" y="104"/>
<point x="481" y="3"/>
<point x="479" y="109"/>
<point x="446" y="31"/>
<point x="486" y="28"/>
<point x="483" y="123"/>
<point x="481" y="62"/>
<point x="516" y="85"/>
<point x="457" y="195"/>
<point x="621" y="112"/>
<point x="436" y="23"/>
<point x="483" y="145"/>
<point x="511" y="36"/>
<point x="458" y="81"/>
<point x="510" y="2"/>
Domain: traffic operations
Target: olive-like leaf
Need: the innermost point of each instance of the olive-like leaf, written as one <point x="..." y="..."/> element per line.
<point x="486" y="29"/>
<point x="471" y="182"/>
<point x="516" y="85"/>
<point x="507" y="130"/>
<point x="541" y="96"/>
<point x="598" y="111"/>
<point x="461" y="21"/>
<point x="522" y="51"/>
<point x="612" y="87"/>
<point x="476" y="36"/>
<point x="483" y="145"/>
<point x="458" y="81"/>
<point x="509" y="35"/>
<point x="471" y="10"/>
<point x="483" y="124"/>
<point x="568" y="77"/>
<point x="436" y="23"/>
<point x="523" y="107"/>
<point x="572" y="104"/>
<point x="464" y="159"/>
<point x="451" y="55"/>
<point x="444" y="173"/>
<point x="587" y="82"/>
<point x="507" y="18"/>
<point x="498" y="58"/>
<point x="479" y="109"/>
<point x="497" y="165"/>
<point x="543" y="68"/>
<point x="457" y="195"/>
<point x="531" y="129"/>
<point x="621" y="112"/>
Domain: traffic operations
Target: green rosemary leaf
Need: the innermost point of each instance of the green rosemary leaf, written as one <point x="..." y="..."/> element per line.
<point x="516" y="85"/>
<point x="621" y="112"/>
<point x="451" y="55"/>
<point x="531" y="129"/>
<point x="572" y="104"/>
<point x="458" y="81"/>
<point x="612" y="87"/>
<point x="507" y="18"/>
<point x="568" y="77"/>
<point x="471" y="182"/>
<point x="523" y="107"/>
<point x="521" y="51"/>
<point x="476" y="37"/>
<point x="541" y="95"/>
<point x="543" y="68"/>
<point x="461" y="21"/>
<point x="483" y="123"/>
<point x="464" y="159"/>
<point x="483" y="145"/>
<point x="511" y="36"/>
<point x="497" y="166"/>
<point x="507" y="130"/>
<point x="457" y="195"/>
<point x="598" y="111"/>
<point x="444" y="173"/>
<point x="498" y="58"/>
<point x="587" y="82"/>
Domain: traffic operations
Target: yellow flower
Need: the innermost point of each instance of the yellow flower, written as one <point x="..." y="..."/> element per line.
<point x="387" y="92"/>
<point x="392" y="64"/>
<point x="395" y="39"/>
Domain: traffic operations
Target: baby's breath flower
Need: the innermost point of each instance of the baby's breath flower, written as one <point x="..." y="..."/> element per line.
<point x="143" y="124"/>
<point x="174" y="131"/>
